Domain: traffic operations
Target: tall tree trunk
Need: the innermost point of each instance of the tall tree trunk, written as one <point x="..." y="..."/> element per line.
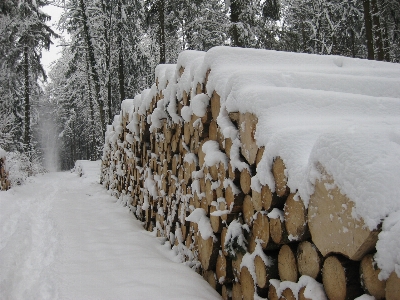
<point x="107" y="38"/>
<point x="368" y="30"/>
<point x="236" y="9"/>
<point x="27" y="92"/>
<point x="161" y="19"/>
<point x="377" y="31"/>
<point x="93" y="132"/>
<point x="92" y="61"/>
<point x="121" y="76"/>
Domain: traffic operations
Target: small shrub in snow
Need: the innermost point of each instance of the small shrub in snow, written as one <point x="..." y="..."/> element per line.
<point x="20" y="167"/>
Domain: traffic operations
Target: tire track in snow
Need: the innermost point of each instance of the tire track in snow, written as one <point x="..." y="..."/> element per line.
<point x="28" y="249"/>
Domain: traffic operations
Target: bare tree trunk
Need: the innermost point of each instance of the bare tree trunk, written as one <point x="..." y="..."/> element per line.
<point x="107" y="39"/>
<point x="368" y="30"/>
<point x="377" y="31"/>
<point x="121" y="76"/>
<point x="92" y="61"/>
<point x="235" y="13"/>
<point x="161" y="19"/>
<point x="93" y="134"/>
<point x="27" y="134"/>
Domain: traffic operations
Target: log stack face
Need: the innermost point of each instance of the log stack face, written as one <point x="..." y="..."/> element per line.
<point x="179" y="169"/>
<point x="4" y="182"/>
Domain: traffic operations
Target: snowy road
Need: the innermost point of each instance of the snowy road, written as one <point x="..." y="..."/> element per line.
<point x="64" y="237"/>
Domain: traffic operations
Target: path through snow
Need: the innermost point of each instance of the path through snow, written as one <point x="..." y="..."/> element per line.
<point x="64" y="237"/>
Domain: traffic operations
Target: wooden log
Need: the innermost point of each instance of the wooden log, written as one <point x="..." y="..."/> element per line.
<point x="224" y="269"/>
<point x="296" y="218"/>
<point x="287" y="294"/>
<point x="260" y="154"/>
<point x="332" y="226"/>
<point x="245" y="180"/>
<point x="213" y="131"/>
<point x="211" y="278"/>
<point x="272" y="292"/>
<point x="260" y="229"/>
<point x="340" y="278"/>
<point x="234" y="199"/>
<point x="216" y="221"/>
<point x="287" y="265"/>
<point x="393" y="287"/>
<point x="257" y="201"/>
<point x="278" y="170"/>
<point x="369" y="278"/>
<point x="247" y="283"/>
<point x="228" y="146"/>
<point x="309" y="260"/>
<point x="265" y="272"/>
<point x="215" y="105"/>
<point x="277" y="230"/>
<point x="185" y="98"/>
<point x="233" y="174"/>
<point x="247" y="129"/>
<point x="236" y="265"/>
<point x="248" y="210"/>
<point x="237" y="291"/>
<point x="208" y="252"/>
<point x="224" y="231"/>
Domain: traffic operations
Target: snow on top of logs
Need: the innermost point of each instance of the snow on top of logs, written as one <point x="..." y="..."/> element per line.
<point x="165" y="73"/>
<point x="188" y="63"/>
<point x="224" y="60"/>
<point x="127" y="107"/>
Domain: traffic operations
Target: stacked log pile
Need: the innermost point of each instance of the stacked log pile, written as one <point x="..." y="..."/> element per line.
<point x="4" y="182"/>
<point x="196" y="187"/>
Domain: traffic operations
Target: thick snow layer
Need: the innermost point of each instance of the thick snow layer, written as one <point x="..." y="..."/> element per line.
<point x="63" y="237"/>
<point x="165" y="73"/>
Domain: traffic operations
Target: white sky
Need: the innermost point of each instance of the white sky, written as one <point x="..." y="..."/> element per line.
<point x="49" y="56"/>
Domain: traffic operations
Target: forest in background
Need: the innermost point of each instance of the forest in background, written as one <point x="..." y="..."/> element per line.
<point x="113" y="47"/>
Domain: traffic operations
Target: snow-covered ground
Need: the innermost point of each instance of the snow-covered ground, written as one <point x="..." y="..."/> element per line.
<point x="63" y="237"/>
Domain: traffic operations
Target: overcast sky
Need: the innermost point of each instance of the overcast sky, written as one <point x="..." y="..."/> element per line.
<point x="49" y="56"/>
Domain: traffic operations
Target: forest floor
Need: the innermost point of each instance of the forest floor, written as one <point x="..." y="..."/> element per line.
<point x="64" y="237"/>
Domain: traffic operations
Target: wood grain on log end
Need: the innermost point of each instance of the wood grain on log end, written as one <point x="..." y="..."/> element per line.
<point x="340" y="278"/>
<point x="369" y="278"/>
<point x="287" y="265"/>
<point x="332" y="227"/>
<point x="247" y="129"/>
<point x="393" y="287"/>
<point x="247" y="283"/>
<point x="278" y="170"/>
<point x="309" y="260"/>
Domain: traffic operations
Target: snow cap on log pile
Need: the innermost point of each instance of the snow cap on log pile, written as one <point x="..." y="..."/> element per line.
<point x="165" y="73"/>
